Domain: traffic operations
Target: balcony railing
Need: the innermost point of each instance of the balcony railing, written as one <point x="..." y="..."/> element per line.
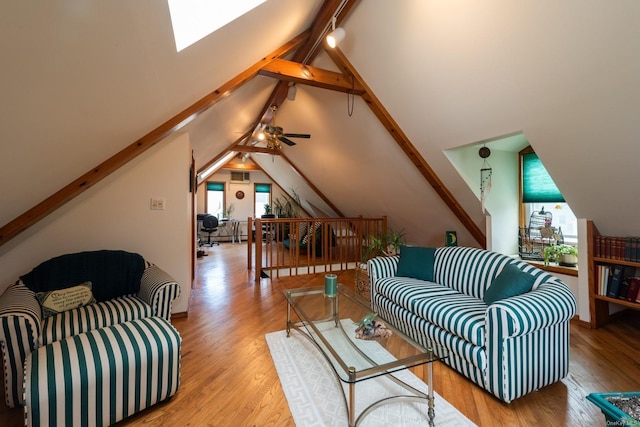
<point x="293" y="246"/>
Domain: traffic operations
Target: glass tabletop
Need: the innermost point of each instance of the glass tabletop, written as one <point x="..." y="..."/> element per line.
<point x="332" y="323"/>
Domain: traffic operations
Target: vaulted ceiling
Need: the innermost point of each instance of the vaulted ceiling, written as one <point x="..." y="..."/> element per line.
<point x="83" y="82"/>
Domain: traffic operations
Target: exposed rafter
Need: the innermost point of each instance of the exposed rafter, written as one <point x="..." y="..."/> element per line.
<point x="98" y="173"/>
<point x="308" y="51"/>
<point x="409" y="149"/>
<point x="313" y="187"/>
<point x="295" y="72"/>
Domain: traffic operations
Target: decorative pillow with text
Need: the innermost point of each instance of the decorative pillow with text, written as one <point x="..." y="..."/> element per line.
<point x="58" y="301"/>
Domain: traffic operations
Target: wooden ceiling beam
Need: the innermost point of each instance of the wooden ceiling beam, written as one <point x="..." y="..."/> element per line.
<point x="409" y="149"/>
<point x="307" y="51"/>
<point x="295" y="72"/>
<point x="313" y="187"/>
<point x="253" y="149"/>
<point x="106" y="168"/>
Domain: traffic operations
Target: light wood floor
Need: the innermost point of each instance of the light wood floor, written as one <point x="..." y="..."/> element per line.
<point x="228" y="377"/>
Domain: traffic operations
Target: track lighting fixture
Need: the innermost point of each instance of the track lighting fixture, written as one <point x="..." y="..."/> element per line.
<point x="336" y="35"/>
<point x="291" y="93"/>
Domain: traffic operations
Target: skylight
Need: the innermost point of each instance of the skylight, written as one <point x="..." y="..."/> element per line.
<point x="193" y="20"/>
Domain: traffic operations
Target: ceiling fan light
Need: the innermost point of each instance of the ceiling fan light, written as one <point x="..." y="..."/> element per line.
<point x="261" y="136"/>
<point x="291" y="93"/>
<point x="335" y="37"/>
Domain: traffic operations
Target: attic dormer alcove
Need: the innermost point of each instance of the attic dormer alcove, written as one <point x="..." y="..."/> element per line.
<point x="501" y="202"/>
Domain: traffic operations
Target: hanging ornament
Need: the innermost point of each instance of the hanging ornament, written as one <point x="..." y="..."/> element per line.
<point x="485" y="176"/>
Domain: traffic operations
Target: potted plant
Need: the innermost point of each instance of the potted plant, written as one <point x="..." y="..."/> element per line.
<point x="226" y="213"/>
<point x="387" y="244"/>
<point x="566" y="255"/>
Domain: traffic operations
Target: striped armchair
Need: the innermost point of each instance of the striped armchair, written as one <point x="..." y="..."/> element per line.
<point x="509" y="347"/>
<point x="125" y="287"/>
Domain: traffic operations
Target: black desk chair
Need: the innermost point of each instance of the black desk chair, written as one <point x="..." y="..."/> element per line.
<point x="209" y="226"/>
<point x="268" y="230"/>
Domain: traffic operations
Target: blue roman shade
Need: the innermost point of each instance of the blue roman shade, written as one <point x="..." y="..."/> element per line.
<point x="263" y="188"/>
<point x="215" y="186"/>
<point x="537" y="185"/>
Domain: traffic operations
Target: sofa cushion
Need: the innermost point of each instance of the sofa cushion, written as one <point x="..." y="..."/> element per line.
<point x="468" y="270"/>
<point x="510" y="282"/>
<point x="416" y="262"/>
<point x="93" y="316"/>
<point x="455" y="312"/>
<point x="54" y="302"/>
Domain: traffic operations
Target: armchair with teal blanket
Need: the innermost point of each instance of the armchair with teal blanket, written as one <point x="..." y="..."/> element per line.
<point x="121" y="287"/>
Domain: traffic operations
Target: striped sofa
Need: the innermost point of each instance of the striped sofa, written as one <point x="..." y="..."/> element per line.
<point x="125" y="287"/>
<point x="509" y="347"/>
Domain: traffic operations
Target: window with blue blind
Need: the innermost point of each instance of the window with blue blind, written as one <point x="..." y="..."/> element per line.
<point x="540" y="194"/>
<point x="537" y="184"/>
<point x="262" y="197"/>
<point x="215" y="186"/>
<point x="215" y="198"/>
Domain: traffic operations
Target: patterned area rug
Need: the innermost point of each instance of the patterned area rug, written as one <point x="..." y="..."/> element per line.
<point x="315" y="398"/>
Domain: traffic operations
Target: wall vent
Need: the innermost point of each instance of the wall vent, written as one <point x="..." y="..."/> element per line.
<point x="240" y="176"/>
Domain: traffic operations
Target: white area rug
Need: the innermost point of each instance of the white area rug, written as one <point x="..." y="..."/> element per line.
<point x="315" y="398"/>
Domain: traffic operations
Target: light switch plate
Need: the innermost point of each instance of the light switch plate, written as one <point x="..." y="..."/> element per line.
<point x="157" y="204"/>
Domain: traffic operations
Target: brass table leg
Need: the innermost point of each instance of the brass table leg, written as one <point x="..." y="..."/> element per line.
<point x="352" y="396"/>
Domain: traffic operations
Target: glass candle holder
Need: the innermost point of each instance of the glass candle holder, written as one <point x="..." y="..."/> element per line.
<point x="330" y="285"/>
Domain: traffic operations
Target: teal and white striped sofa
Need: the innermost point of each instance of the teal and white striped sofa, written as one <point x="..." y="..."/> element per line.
<point x="509" y="347"/>
<point x="125" y="287"/>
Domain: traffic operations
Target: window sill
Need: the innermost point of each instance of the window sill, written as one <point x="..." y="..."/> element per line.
<point x="569" y="271"/>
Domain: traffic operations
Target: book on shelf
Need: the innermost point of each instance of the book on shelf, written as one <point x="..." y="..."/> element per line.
<point x="604" y="271"/>
<point x="625" y="284"/>
<point x="615" y="281"/>
<point x="617" y="248"/>
<point x="634" y="287"/>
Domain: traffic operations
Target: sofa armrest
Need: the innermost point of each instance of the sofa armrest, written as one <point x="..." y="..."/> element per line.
<point x="159" y="290"/>
<point x="548" y="305"/>
<point x="20" y="327"/>
<point x="382" y="266"/>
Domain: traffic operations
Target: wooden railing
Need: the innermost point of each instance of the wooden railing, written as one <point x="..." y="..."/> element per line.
<point x="293" y="246"/>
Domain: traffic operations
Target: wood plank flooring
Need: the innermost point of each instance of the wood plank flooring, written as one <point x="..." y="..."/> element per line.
<point x="228" y="377"/>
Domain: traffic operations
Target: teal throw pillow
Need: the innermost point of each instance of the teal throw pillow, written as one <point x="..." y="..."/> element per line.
<point x="416" y="262"/>
<point x="510" y="282"/>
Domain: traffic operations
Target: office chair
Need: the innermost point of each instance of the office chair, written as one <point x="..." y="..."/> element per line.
<point x="268" y="230"/>
<point x="209" y="226"/>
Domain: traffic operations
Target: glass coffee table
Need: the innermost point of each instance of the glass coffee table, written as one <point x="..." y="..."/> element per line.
<point x="330" y="324"/>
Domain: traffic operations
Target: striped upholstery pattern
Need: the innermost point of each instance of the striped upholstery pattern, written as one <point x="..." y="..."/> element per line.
<point x="159" y="290"/>
<point x="460" y="314"/>
<point x="20" y="324"/>
<point x="92" y="316"/>
<point x="102" y="376"/>
<point x="22" y="329"/>
<point x="510" y="348"/>
<point x="468" y="270"/>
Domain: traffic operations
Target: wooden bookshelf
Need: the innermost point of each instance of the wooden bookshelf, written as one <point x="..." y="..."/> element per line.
<point x="599" y="304"/>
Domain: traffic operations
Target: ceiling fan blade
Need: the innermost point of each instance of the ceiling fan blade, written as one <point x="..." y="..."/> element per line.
<point x="287" y="141"/>
<point x="297" y="135"/>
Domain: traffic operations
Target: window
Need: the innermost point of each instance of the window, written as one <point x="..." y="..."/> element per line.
<point x="215" y="198"/>
<point x="262" y="197"/>
<point x="193" y="20"/>
<point x="540" y="195"/>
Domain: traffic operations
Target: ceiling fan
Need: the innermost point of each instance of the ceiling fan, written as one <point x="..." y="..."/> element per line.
<point x="275" y="135"/>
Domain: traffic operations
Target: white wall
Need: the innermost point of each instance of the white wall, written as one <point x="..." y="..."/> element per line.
<point x="116" y="214"/>
<point x="501" y="203"/>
